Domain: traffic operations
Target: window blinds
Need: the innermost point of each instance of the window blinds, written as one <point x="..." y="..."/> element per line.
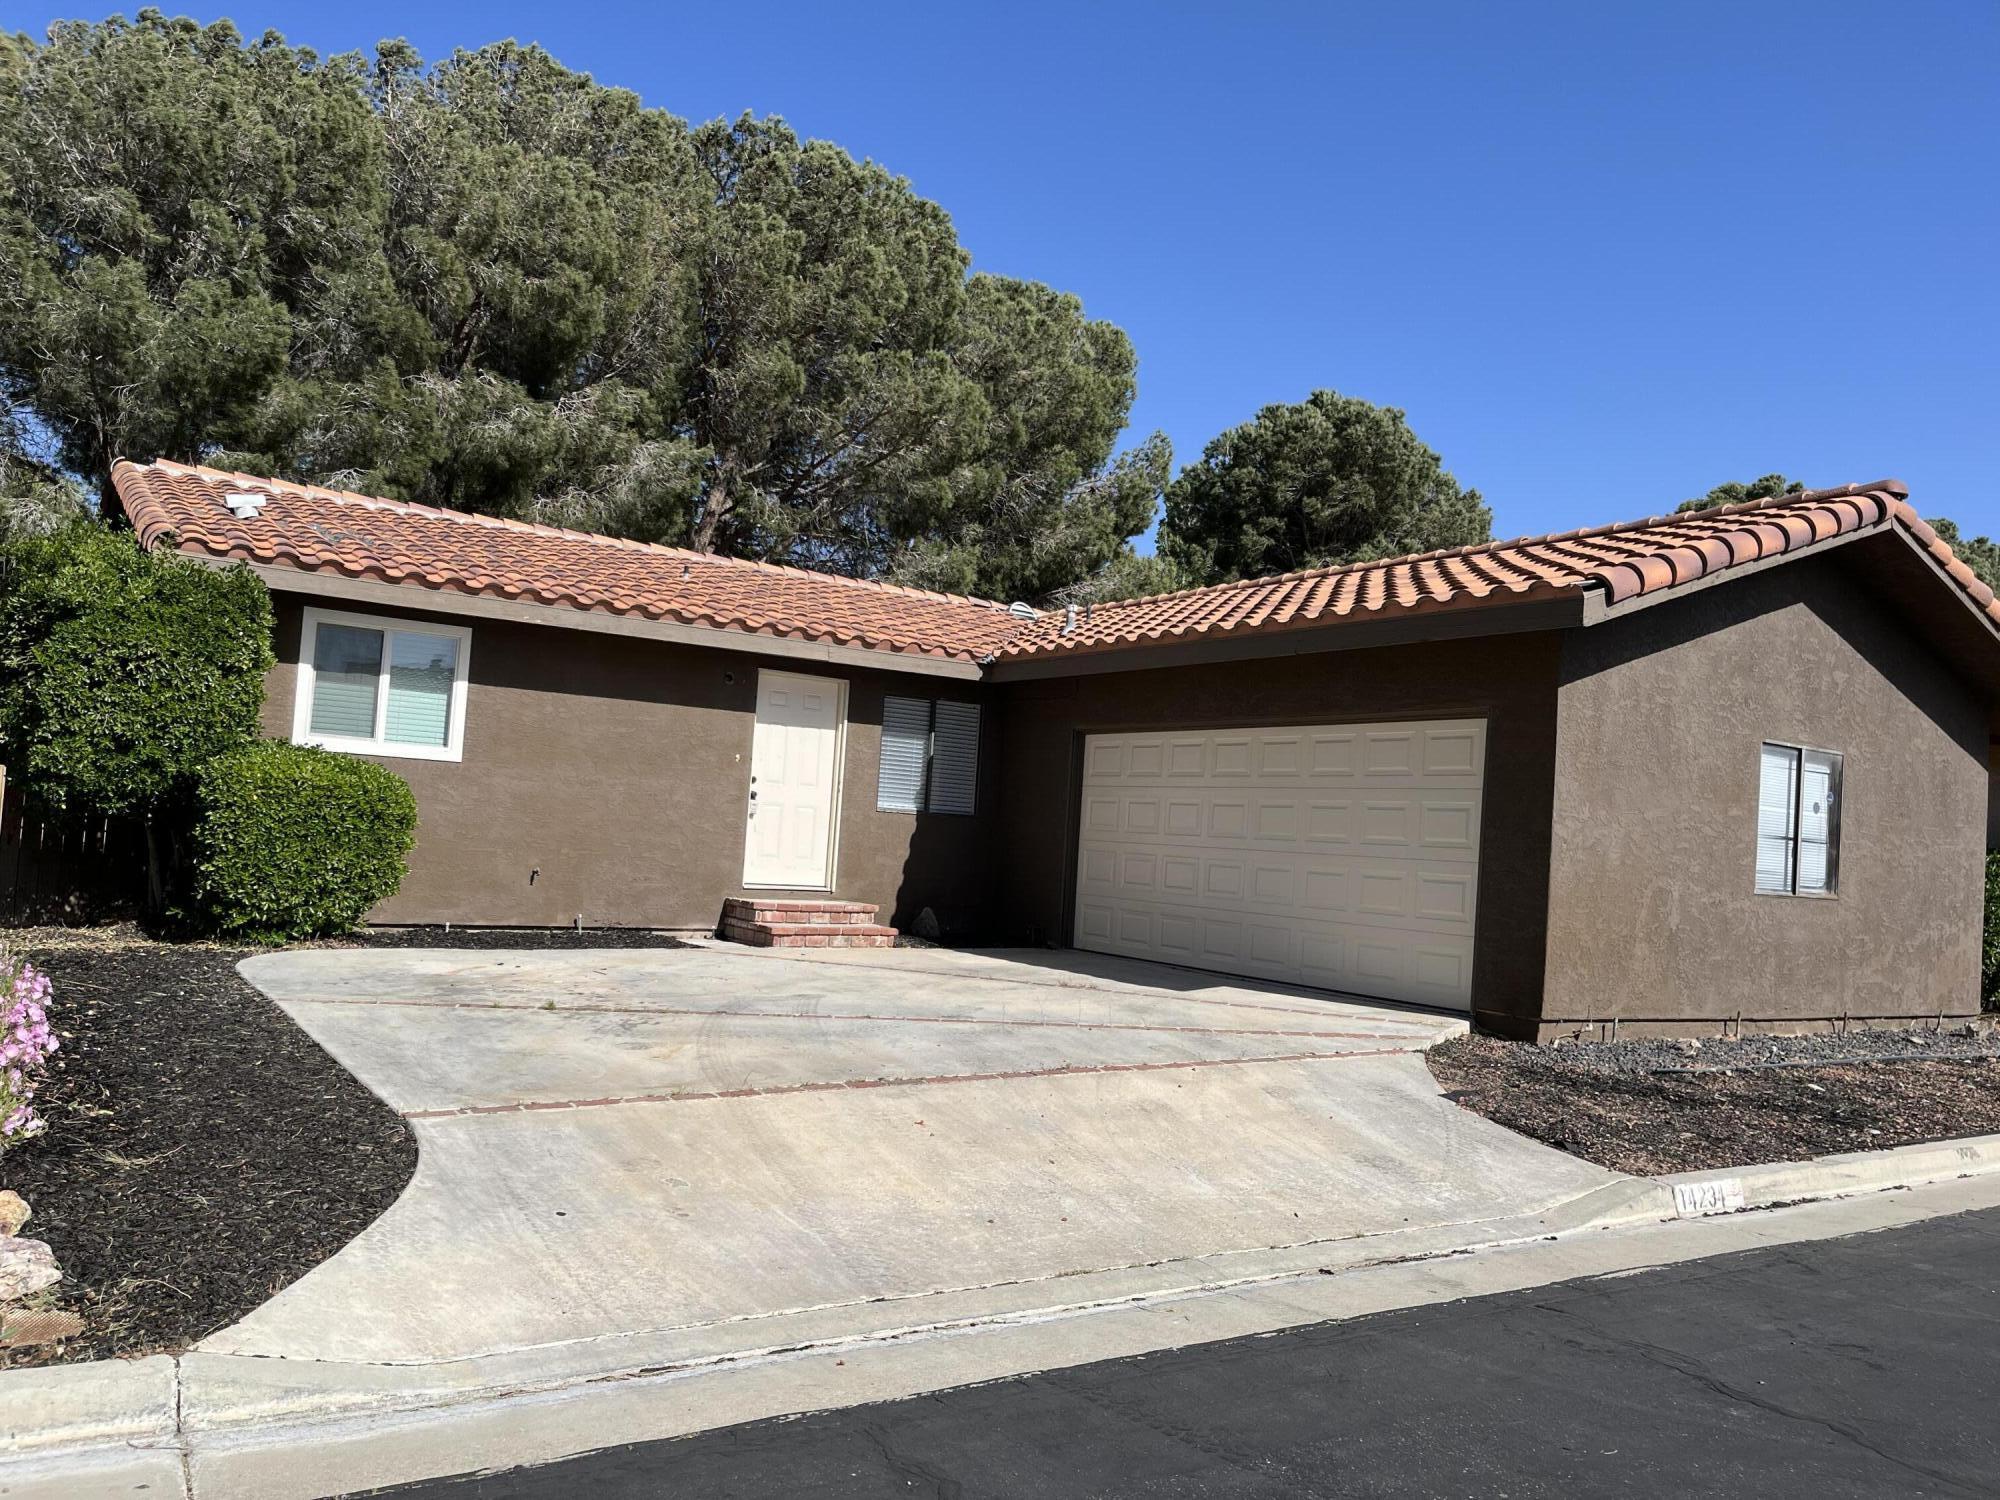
<point x="421" y="668"/>
<point x="930" y="756"/>
<point x="1817" y="790"/>
<point x="955" y="758"/>
<point x="382" y="688"/>
<point x="346" y="665"/>
<point x="906" y="734"/>
<point x="1777" y="802"/>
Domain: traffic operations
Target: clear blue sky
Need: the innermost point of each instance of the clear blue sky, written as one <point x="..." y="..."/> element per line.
<point x="1605" y="255"/>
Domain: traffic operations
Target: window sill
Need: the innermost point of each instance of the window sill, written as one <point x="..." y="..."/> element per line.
<point x="383" y="749"/>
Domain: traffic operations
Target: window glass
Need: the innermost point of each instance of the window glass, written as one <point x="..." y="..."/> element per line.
<point x="421" y="668"/>
<point x="1820" y="778"/>
<point x="1798" y="821"/>
<point x="906" y="735"/>
<point x="955" y="758"/>
<point x="347" y="662"/>
<point x="930" y="756"/>
<point x="373" y="687"/>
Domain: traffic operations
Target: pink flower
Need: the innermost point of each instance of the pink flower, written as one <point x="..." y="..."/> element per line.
<point x="27" y="1041"/>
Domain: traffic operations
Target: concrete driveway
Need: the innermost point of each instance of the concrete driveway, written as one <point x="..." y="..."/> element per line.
<point x="732" y="1149"/>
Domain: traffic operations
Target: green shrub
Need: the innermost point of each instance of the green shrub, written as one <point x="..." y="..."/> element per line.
<point x="293" y="842"/>
<point x="1989" y="938"/>
<point x="121" y="671"/>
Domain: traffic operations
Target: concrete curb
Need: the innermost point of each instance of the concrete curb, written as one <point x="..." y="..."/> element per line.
<point x="1732" y="1189"/>
<point x="108" y="1402"/>
<point x="64" y="1425"/>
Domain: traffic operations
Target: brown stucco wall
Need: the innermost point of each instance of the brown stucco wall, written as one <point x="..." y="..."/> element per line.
<point x="619" y="769"/>
<point x="1992" y="795"/>
<point x="1652" y="916"/>
<point x="1508" y="680"/>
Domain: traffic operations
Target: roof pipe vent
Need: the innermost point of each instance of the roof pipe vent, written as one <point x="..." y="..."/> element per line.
<point x="1022" y="611"/>
<point x="1069" y="620"/>
<point x="245" y="504"/>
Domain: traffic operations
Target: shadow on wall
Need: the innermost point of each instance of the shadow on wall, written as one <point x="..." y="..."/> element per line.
<point x="948" y="875"/>
<point x="1840" y="591"/>
<point x="947" y="891"/>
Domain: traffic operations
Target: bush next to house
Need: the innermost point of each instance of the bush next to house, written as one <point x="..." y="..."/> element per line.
<point x="122" y="672"/>
<point x="1989" y="938"/>
<point x="293" y="842"/>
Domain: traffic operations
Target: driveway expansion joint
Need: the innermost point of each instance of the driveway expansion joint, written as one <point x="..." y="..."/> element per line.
<point x="1417" y="1015"/>
<point x="719" y="1014"/>
<point x="781" y="1090"/>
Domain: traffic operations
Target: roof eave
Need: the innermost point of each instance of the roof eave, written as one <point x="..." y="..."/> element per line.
<point x="420" y="599"/>
<point x="1552" y="608"/>
<point x="1600" y="608"/>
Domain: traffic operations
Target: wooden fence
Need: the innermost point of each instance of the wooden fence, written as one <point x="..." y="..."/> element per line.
<point x="65" y="870"/>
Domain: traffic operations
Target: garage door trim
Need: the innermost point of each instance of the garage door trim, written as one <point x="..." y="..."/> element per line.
<point x="1338" y="855"/>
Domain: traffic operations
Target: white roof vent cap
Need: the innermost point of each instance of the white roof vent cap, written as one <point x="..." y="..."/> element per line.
<point x="245" y="504"/>
<point x="1022" y="611"/>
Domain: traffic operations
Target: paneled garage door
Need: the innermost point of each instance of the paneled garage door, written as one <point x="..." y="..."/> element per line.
<point x="1338" y="855"/>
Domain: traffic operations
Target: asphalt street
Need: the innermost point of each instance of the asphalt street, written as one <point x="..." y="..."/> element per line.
<point x="1861" y="1366"/>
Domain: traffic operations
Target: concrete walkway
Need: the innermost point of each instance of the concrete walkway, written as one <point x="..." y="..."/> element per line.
<point x="641" y="1142"/>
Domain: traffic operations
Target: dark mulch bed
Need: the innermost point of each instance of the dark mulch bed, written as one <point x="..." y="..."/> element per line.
<point x="202" y="1151"/>
<point x="1650" y="1107"/>
<point x="508" y="938"/>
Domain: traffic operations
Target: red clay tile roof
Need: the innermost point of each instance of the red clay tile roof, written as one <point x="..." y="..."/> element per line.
<point x="326" y="531"/>
<point x="1623" y="561"/>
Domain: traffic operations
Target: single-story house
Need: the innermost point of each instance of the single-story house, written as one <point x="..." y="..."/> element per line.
<point x="1693" y="774"/>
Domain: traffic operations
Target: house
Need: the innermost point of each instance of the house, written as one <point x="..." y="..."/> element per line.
<point x="1693" y="774"/>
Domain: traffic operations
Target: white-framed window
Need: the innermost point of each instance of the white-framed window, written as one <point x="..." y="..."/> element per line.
<point x="381" y="687"/>
<point x="930" y="756"/>
<point x="1798" y="821"/>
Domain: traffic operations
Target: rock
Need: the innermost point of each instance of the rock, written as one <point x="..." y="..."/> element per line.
<point x="13" y="1214"/>
<point x="22" y="1329"/>
<point x="25" y="1266"/>
<point x="927" y="925"/>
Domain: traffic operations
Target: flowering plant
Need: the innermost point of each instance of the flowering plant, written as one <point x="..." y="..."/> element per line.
<point x="26" y="1044"/>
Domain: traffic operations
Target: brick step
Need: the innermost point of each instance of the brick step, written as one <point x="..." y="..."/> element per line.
<point x="809" y="934"/>
<point x="838" y="913"/>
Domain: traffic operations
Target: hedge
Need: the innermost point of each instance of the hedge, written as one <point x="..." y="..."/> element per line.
<point x="121" y="671"/>
<point x="293" y="842"/>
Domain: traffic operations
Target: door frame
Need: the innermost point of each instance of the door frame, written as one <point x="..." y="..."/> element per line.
<point x="830" y="877"/>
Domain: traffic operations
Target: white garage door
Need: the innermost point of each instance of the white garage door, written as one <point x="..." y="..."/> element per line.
<point x="1339" y="855"/>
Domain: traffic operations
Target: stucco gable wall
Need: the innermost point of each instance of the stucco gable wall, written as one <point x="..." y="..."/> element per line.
<point x="1660" y="716"/>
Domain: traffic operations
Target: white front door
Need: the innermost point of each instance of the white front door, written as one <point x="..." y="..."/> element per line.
<point x="794" y="781"/>
<point x="1339" y="855"/>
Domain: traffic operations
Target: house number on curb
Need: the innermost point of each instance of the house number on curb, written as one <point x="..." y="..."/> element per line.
<point x="1694" y="1199"/>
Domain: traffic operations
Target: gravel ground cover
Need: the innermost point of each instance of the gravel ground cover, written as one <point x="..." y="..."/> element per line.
<point x="202" y="1151"/>
<point x="1656" y="1105"/>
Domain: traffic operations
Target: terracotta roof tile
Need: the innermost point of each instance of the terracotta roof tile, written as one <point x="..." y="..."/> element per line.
<point x="1623" y="561"/>
<point x="329" y="531"/>
<point x="326" y="531"/>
